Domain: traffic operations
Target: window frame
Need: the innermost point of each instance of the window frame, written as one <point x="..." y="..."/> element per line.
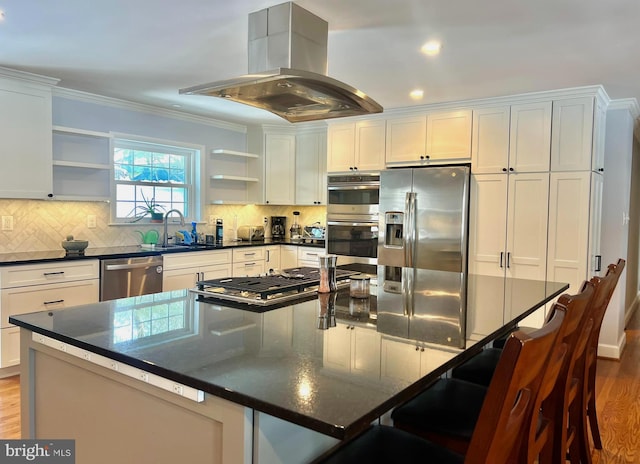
<point x="194" y="191"/>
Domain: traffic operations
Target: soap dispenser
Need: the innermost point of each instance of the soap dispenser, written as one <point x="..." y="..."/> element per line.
<point x="194" y="233"/>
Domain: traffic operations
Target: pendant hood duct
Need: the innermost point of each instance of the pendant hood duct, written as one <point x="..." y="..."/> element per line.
<point x="287" y="70"/>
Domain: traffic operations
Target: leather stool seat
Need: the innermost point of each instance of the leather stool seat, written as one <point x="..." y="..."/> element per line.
<point x="384" y="445"/>
<point x="480" y="368"/>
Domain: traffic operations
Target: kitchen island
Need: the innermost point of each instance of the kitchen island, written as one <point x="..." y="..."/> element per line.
<point x="173" y="377"/>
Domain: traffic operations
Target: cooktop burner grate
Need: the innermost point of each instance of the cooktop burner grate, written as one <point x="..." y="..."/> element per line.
<point x="296" y="280"/>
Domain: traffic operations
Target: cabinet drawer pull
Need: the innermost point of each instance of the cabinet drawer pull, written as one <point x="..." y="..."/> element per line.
<point x="53" y="302"/>
<point x="250" y="254"/>
<point x="249" y="264"/>
<point x="53" y="273"/>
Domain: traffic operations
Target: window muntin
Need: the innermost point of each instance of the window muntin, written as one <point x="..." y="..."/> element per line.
<point x="152" y="172"/>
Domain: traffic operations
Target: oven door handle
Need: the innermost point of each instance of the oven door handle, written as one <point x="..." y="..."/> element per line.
<point x="354" y="187"/>
<point x="350" y="223"/>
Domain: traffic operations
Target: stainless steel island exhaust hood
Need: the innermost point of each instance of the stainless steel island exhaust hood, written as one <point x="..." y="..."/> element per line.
<point x="287" y="70"/>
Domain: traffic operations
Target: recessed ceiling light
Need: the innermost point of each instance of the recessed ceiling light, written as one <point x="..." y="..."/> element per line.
<point x="431" y="48"/>
<point x="175" y="105"/>
<point x="416" y="94"/>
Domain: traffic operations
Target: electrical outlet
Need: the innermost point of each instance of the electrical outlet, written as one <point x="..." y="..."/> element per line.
<point x="7" y="222"/>
<point x="91" y="221"/>
<point x="212" y="220"/>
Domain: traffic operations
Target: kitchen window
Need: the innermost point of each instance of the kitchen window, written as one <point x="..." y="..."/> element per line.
<point x="148" y="172"/>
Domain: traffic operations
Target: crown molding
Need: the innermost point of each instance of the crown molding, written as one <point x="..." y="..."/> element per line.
<point x="629" y="104"/>
<point x="28" y="77"/>
<point x="144" y="108"/>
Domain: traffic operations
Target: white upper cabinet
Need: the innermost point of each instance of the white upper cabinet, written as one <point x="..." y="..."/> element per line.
<point x="369" y="145"/>
<point x="439" y="136"/>
<point x="25" y="139"/>
<point x="406" y="139"/>
<point x="311" y="178"/>
<point x="490" y="140"/>
<point x="530" y="137"/>
<point x="572" y="134"/>
<point x="449" y="135"/>
<point x="341" y="147"/>
<point x="358" y="146"/>
<point x="280" y="169"/>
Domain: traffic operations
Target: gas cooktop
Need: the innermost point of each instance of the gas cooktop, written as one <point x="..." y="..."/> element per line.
<point x="269" y="289"/>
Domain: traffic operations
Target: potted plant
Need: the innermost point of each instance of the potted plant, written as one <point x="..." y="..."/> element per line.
<point x="150" y="208"/>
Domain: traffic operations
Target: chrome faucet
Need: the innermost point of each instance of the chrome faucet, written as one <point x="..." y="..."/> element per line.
<point x="165" y="239"/>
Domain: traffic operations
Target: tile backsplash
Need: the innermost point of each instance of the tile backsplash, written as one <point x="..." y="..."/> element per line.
<point x="42" y="225"/>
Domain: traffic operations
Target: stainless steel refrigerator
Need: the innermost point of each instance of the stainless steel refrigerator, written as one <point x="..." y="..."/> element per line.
<point x="422" y="253"/>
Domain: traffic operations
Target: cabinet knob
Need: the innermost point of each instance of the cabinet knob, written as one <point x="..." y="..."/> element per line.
<point x="511" y="169"/>
<point x="417" y="348"/>
<point x="267" y="202"/>
<point x="504" y="169"/>
<point x="50" y="195"/>
<point x="350" y="168"/>
<point x="421" y="157"/>
<point x="600" y="169"/>
<point x="355" y="168"/>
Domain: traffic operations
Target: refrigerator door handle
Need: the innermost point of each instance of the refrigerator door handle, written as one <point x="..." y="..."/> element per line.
<point x="410" y="228"/>
<point x="407" y="286"/>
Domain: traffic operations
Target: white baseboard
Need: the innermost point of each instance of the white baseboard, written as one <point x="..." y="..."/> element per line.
<point x="612" y="351"/>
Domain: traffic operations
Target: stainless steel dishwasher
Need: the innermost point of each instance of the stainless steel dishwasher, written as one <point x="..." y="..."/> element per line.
<point x="123" y="277"/>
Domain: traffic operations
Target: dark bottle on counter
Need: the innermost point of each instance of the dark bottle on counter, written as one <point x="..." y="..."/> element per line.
<point x="219" y="231"/>
<point x="194" y="233"/>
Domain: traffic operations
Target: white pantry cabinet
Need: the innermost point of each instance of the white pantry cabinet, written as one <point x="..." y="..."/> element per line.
<point x="25" y="135"/>
<point x="356" y="146"/>
<point x="508" y="225"/>
<point x="28" y="288"/>
<point x="577" y="138"/>
<point x="434" y="137"/>
<point x="490" y="140"/>
<point x="574" y="227"/>
<point x="530" y="137"/>
<point x="311" y="170"/>
<point x="511" y="138"/>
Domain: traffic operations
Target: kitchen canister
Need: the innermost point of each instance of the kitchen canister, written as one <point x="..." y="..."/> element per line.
<point x="359" y="286"/>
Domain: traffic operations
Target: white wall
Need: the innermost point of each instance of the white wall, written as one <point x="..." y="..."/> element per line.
<point x="615" y="223"/>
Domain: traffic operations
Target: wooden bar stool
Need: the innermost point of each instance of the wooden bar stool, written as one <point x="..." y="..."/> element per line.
<point x="609" y="284"/>
<point x="507" y="409"/>
<point x="447" y="412"/>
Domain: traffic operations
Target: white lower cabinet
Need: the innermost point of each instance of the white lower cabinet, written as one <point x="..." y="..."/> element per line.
<point x="288" y="256"/>
<point x="308" y="256"/>
<point x="248" y="261"/>
<point x="406" y="360"/>
<point x="271" y="257"/>
<point x="39" y="287"/>
<point x="183" y="270"/>
<point x="351" y="348"/>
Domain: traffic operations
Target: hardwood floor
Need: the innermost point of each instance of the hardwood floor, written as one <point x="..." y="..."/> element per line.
<point x="617" y="394"/>
<point x="10" y="407"/>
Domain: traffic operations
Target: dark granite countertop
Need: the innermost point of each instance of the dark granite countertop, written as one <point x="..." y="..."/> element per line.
<point x="276" y="361"/>
<point x="31" y="257"/>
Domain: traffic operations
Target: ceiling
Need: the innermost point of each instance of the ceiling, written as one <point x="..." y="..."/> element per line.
<point x="145" y="50"/>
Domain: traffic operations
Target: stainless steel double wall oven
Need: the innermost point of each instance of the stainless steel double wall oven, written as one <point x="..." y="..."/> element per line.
<point x="352" y="217"/>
